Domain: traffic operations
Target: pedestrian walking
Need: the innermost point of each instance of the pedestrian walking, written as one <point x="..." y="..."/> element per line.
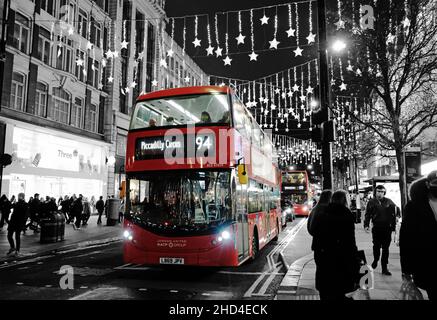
<point x="5" y="210"/>
<point x="86" y="212"/>
<point x="382" y="212"/>
<point x="76" y="212"/>
<point x="93" y="205"/>
<point x="335" y="250"/>
<point x="17" y="224"/>
<point x="121" y="211"/>
<point x="318" y="210"/>
<point x="100" y="206"/>
<point x="418" y="236"/>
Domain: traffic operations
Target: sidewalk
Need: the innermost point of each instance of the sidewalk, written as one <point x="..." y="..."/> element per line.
<point x="88" y="235"/>
<point x="299" y="282"/>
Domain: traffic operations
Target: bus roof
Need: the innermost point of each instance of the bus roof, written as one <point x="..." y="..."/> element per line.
<point x="183" y="91"/>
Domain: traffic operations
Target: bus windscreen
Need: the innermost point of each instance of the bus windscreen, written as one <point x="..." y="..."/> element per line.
<point x="181" y="110"/>
<point x="178" y="202"/>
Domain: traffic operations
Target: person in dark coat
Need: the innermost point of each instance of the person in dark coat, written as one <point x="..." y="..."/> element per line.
<point x="418" y="235"/>
<point x="65" y="207"/>
<point x="319" y="209"/>
<point x="17" y="224"/>
<point x="382" y="212"/>
<point x="100" y="206"/>
<point x="335" y="250"/>
<point x="77" y="211"/>
<point x="5" y="210"/>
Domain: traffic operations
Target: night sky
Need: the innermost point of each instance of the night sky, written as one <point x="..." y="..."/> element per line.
<point x="270" y="61"/>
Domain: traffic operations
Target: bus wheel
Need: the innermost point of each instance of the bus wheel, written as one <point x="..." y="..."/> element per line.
<point x="255" y="245"/>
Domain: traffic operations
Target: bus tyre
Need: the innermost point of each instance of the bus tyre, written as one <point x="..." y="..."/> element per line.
<point x="255" y="245"/>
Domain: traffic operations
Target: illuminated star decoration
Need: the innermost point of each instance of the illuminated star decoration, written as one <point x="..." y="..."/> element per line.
<point x="311" y="38"/>
<point x="79" y="62"/>
<point x="70" y="31"/>
<point x="295" y="88"/>
<point x="115" y="54"/>
<point x="240" y="39"/>
<point x="391" y="38"/>
<point x="163" y="63"/>
<point x="309" y="90"/>
<point x="210" y="50"/>
<point x="340" y="24"/>
<point x="406" y="22"/>
<point x="359" y="73"/>
<point x="343" y="86"/>
<point x="218" y="52"/>
<point x="253" y="56"/>
<point x="350" y="68"/>
<point x="298" y="52"/>
<point x="154" y="83"/>
<point x="196" y="42"/>
<point x="264" y="20"/>
<point x="187" y="79"/>
<point x="290" y="32"/>
<point x="227" y="61"/>
<point x="170" y="53"/>
<point x="133" y="84"/>
<point x="274" y="43"/>
<point x="110" y="79"/>
<point x="124" y="44"/>
<point x="89" y="45"/>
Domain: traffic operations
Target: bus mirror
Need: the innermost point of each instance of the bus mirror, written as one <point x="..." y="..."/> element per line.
<point x="242" y="174"/>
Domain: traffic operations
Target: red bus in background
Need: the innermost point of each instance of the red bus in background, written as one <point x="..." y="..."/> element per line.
<point x="296" y="190"/>
<point x="201" y="186"/>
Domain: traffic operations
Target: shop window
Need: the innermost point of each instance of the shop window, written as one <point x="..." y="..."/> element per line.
<point x="17" y="91"/>
<point x="44" y="46"/>
<point x="21" y="33"/>
<point x="77" y="113"/>
<point x="60" y="105"/>
<point x="41" y="99"/>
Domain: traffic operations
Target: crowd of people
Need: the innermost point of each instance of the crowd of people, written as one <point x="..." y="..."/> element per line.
<point x="20" y="215"/>
<point x="338" y="261"/>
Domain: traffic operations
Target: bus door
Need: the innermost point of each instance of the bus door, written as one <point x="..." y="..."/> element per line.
<point x="240" y="207"/>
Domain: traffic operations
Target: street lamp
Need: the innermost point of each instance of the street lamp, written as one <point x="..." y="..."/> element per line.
<point x="338" y="45"/>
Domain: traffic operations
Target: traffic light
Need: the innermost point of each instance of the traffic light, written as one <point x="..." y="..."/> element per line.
<point x="5" y="159"/>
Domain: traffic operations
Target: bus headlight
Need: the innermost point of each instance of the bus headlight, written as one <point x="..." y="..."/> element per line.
<point x="226" y="235"/>
<point x="223" y="236"/>
<point x="305" y="208"/>
<point x="127" y="235"/>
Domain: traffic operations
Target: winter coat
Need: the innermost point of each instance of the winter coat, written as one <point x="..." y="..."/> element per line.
<point x="100" y="206"/>
<point x="312" y="224"/>
<point x="336" y="251"/>
<point x="77" y="207"/>
<point x="418" y="238"/>
<point x="19" y="216"/>
<point x="382" y="213"/>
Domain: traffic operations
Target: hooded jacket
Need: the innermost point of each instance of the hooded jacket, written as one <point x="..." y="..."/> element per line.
<point x="418" y="238"/>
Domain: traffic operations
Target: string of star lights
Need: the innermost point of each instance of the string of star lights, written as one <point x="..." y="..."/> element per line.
<point x="290" y="32"/>
<point x="298" y="51"/>
<point x="253" y="56"/>
<point x="210" y="49"/>
<point x="311" y="37"/>
<point x="227" y="61"/>
<point x="291" y="151"/>
<point x="241" y="37"/>
<point x="340" y="23"/>
<point x="196" y="41"/>
<point x="219" y="50"/>
<point x="274" y="43"/>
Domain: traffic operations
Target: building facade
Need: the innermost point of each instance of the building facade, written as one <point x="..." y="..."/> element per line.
<point x="140" y="26"/>
<point x="54" y="98"/>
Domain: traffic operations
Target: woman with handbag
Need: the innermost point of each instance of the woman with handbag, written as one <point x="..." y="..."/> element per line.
<point x="336" y="252"/>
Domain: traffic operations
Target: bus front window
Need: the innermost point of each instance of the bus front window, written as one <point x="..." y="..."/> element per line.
<point x="181" y="110"/>
<point x="185" y="201"/>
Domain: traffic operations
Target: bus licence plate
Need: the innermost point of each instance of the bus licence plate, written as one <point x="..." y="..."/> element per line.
<point x="171" y="260"/>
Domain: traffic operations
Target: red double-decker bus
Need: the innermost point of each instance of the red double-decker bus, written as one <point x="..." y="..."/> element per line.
<point x="202" y="188"/>
<point x="296" y="191"/>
